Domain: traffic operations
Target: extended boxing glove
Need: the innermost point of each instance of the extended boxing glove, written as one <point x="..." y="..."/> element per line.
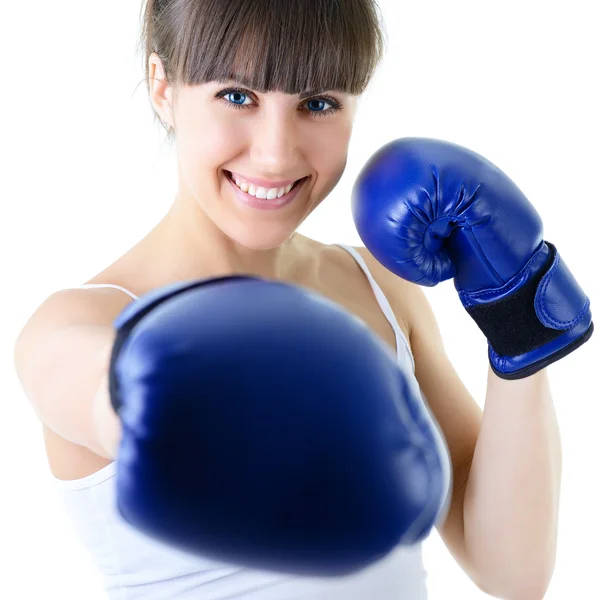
<point x="429" y="210"/>
<point x="263" y="425"/>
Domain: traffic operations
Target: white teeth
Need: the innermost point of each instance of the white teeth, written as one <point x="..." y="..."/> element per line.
<point x="261" y="192"/>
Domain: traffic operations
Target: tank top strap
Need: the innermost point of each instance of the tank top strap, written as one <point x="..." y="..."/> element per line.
<point x="403" y="347"/>
<point x="104" y="285"/>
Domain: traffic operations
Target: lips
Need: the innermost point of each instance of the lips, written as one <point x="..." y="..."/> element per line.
<point x="263" y="203"/>
<point x="229" y="176"/>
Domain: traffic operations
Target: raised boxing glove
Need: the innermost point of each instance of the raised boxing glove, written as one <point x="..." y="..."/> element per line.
<point x="430" y="210"/>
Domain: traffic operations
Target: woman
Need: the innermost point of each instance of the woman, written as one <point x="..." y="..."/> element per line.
<point x="260" y="97"/>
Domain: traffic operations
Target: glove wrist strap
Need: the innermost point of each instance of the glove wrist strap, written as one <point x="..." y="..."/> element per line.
<point x="530" y="312"/>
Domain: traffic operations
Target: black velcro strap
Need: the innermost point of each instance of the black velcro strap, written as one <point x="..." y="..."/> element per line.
<point x="511" y="325"/>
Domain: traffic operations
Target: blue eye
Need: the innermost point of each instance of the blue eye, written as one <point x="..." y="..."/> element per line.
<point x="236" y="94"/>
<point x="235" y="97"/>
<point x="318" y="102"/>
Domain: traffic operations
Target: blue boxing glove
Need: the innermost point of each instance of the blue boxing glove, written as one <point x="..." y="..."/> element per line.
<point x="429" y="210"/>
<point x="263" y="425"/>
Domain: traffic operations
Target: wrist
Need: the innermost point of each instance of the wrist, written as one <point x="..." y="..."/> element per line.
<point x="536" y="318"/>
<point x="107" y="424"/>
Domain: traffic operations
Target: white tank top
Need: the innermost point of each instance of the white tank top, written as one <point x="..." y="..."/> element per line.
<point x="134" y="566"/>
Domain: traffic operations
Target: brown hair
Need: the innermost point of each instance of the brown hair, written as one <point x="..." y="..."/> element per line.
<point x="291" y="46"/>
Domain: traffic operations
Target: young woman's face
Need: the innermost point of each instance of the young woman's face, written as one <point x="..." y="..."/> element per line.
<point x="268" y="141"/>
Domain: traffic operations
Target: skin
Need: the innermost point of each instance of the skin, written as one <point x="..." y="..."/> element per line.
<point x="277" y="138"/>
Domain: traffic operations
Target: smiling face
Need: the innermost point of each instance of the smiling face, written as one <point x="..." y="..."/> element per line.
<point x="260" y="94"/>
<point x="267" y="142"/>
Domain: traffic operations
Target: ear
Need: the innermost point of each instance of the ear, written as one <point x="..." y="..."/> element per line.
<point x="161" y="91"/>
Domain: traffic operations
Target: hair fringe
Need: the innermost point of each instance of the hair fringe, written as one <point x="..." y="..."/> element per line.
<point x="290" y="46"/>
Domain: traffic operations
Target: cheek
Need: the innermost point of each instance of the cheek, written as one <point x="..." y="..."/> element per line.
<point x="329" y="150"/>
<point x="209" y="138"/>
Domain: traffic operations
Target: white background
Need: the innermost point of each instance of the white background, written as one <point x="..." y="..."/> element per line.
<point x="85" y="175"/>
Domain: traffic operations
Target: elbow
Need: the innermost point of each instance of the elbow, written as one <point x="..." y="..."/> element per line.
<point x="522" y="580"/>
<point x="534" y="588"/>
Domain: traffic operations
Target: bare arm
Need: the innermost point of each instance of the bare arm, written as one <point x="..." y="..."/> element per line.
<point x="512" y="495"/>
<point x="62" y="358"/>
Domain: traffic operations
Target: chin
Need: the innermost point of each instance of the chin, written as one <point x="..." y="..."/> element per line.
<point x="255" y="239"/>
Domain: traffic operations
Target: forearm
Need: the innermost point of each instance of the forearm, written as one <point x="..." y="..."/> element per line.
<point x="106" y="422"/>
<point x="512" y="493"/>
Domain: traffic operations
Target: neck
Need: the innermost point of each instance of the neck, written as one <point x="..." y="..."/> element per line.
<point x="196" y="248"/>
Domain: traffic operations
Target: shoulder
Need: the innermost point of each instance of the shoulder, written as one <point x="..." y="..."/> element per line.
<point x="64" y="310"/>
<point x="340" y="272"/>
<point x="407" y="299"/>
<point x="75" y="306"/>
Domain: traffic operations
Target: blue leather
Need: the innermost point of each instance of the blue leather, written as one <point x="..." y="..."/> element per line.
<point x="265" y="426"/>
<point x="560" y="302"/>
<point x="430" y="210"/>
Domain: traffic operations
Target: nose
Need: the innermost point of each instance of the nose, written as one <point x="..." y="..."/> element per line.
<point x="275" y="145"/>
